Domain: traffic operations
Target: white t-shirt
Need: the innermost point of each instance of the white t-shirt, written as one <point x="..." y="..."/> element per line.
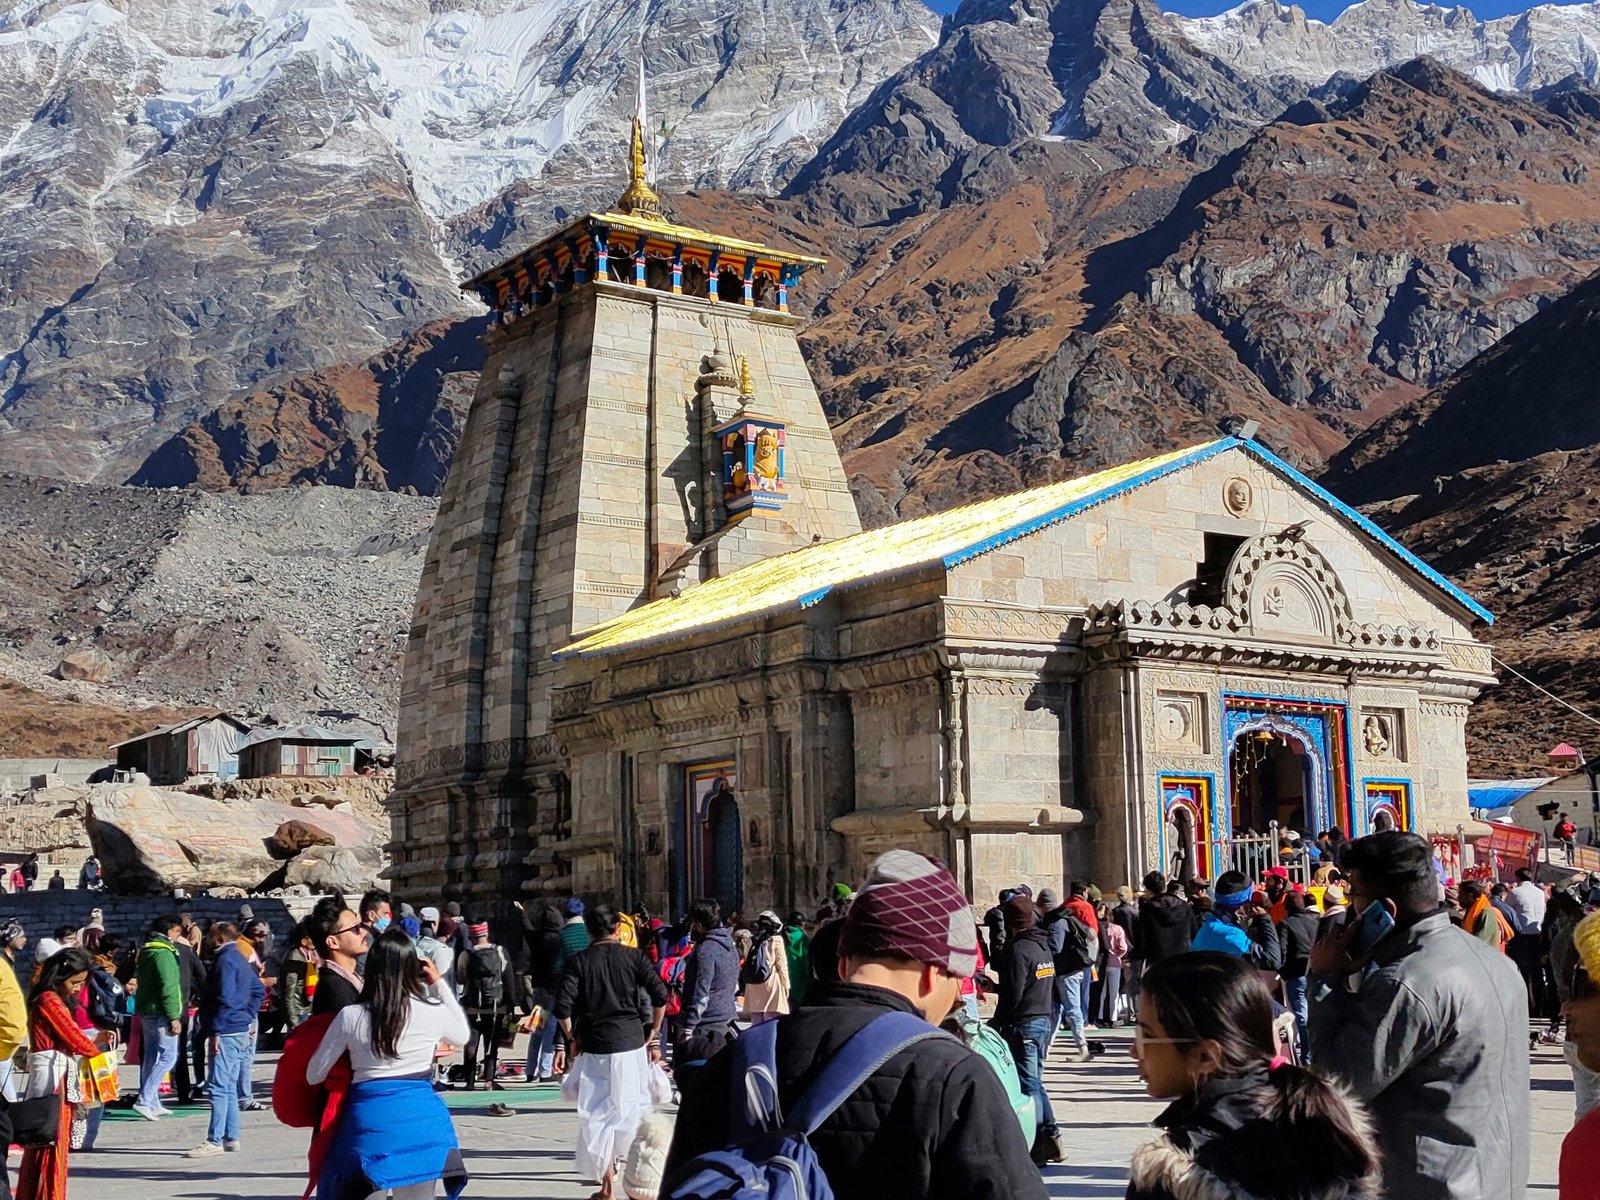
<point x="433" y="1020"/>
<point x="1528" y="901"/>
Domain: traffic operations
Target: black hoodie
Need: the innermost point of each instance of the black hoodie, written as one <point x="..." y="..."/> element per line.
<point x="1164" y="928"/>
<point x="1027" y="973"/>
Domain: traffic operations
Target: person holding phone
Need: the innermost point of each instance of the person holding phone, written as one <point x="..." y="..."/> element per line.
<point x="1427" y="1025"/>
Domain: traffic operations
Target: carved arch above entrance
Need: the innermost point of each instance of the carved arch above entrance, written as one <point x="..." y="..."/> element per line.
<point x="1280" y="582"/>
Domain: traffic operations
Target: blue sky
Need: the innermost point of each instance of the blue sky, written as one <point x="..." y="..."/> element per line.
<point x="1323" y="10"/>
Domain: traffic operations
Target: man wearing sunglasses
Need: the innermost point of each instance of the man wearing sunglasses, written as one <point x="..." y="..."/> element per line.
<point x="342" y="939"/>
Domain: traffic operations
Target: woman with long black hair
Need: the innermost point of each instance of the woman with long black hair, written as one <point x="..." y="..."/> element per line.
<point x="1242" y="1120"/>
<point x="394" y="1135"/>
<point x="53" y="1031"/>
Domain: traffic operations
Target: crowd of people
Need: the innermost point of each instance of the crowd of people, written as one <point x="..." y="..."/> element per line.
<point x="1363" y="1034"/>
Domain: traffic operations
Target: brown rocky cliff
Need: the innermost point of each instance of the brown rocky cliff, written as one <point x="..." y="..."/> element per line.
<point x="1495" y="478"/>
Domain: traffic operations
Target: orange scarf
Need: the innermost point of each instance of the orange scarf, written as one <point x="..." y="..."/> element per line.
<point x="1482" y="908"/>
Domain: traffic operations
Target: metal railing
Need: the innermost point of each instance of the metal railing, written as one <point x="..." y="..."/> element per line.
<point x="1253" y="853"/>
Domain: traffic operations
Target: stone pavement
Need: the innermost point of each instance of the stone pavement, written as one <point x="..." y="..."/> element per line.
<point x="1101" y="1106"/>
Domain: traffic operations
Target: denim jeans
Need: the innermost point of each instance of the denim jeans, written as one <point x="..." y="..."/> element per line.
<point x="230" y="1061"/>
<point x="1083" y="994"/>
<point x="159" y="1054"/>
<point x="1029" y="1040"/>
<point x="1111" y="996"/>
<point x="246" y="1091"/>
<point x="1294" y="999"/>
<point x="91" y="1129"/>
<point x="542" y="1045"/>
<point x="1069" y="990"/>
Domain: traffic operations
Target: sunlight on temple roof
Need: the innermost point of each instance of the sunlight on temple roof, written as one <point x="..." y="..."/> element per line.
<point x="803" y="577"/>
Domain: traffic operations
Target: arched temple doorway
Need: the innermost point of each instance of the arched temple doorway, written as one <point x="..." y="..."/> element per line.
<point x="709" y="836"/>
<point x="1273" y="780"/>
<point x="725" y="850"/>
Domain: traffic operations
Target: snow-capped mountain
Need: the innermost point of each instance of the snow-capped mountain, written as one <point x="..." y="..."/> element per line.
<point x="1538" y="48"/>
<point x="196" y="196"/>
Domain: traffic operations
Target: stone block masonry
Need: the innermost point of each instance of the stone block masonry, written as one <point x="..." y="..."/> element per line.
<point x="129" y="917"/>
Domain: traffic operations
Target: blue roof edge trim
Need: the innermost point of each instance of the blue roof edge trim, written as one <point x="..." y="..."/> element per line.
<point x="1372" y="529"/>
<point x="1074" y="507"/>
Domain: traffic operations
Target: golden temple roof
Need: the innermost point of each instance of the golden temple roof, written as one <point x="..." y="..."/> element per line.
<point x="803" y="577"/>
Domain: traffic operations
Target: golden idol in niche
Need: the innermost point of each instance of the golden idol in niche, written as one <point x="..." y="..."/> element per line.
<point x="767" y="469"/>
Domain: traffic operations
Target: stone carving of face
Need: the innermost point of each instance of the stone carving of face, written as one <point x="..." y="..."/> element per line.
<point x="1237" y="496"/>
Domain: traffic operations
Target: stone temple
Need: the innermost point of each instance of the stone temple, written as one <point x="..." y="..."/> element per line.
<point x="654" y="656"/>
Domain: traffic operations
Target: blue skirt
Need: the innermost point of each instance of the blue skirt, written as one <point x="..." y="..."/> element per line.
<point x="392" y="1133"/>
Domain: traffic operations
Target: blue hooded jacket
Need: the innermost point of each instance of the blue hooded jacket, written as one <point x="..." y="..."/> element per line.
<point x="234" y="993"/>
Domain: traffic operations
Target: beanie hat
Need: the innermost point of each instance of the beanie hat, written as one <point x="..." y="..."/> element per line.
<point x="574" y="907"/>
<point x="430" y="915"/>
<point x="479" y="929"/>
<point x="1048" y="899"/>
<point x="46" y="948"/>
<point x="1586" y="940"/>
<point x="910" y="905"/>
<point x="12" y="931"/>
<point x="412" y="927"/>
<point x="1019" y="914"/>
<point x="841" y="891"/>
<point x="1093" y="893"/>
<point x="1023" y="889"/>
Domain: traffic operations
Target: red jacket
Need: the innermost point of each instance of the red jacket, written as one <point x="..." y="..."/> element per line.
<point x="305" y="1105"/>
<point x="1079" y="907"/>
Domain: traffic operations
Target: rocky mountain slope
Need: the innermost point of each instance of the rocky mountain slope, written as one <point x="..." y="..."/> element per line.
<point x="292" y="603"/>
<point x="198" y="199"/>
<point x="1495" y="477"/>
<point x="1338" y="262"/>
<point x="1544" y="46"/>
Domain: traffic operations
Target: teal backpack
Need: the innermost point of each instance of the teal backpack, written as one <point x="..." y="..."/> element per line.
<point x="991" y="1047"/>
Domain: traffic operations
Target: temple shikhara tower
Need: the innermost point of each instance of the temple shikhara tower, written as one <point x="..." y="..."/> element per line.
<point x="654" y="656"/>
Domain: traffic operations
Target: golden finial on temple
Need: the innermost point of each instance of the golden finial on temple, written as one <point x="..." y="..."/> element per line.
<point x="746" y="387"/>
<point x="639" y="199"/>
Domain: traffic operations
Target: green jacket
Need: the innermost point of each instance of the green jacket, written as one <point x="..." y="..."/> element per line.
<point x="798" y="947"/>
<point x="160" y="989"/>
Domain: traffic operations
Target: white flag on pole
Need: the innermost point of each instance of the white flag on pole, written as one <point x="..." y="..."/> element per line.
<point x="644" y="130"/>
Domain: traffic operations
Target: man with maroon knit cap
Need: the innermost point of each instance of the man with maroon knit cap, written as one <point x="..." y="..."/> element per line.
<point x="932" y="1121"/>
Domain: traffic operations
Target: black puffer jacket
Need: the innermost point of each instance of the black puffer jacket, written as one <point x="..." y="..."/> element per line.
<point x="1233" y="1140"/>
<point x="932" y="1122"/>
<point x="1164" y="928"/>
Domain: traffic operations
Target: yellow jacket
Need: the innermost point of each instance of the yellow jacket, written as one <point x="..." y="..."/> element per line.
<point x="13" y="1012"/>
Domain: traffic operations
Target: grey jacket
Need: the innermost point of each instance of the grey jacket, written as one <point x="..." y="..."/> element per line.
<point x="1436" y="1042"/>
<point x="711" y="982"/>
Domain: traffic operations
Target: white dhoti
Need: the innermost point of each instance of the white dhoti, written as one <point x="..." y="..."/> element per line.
<point x="613" y="1097"/>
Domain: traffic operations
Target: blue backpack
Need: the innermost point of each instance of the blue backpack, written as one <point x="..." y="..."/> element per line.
<point x="768" y="1156"/>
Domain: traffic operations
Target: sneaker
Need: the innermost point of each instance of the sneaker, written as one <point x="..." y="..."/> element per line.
<point x="231" y="1146"/>
<point x="251" y="1106"/>
<point x="150" y="1114"/>
<point x="204" y="1150"/>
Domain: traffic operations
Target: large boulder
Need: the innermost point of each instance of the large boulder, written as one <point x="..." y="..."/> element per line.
<point x="321" y="870"/>
<point x="89" y="665"/>
<point x="294" y="836"/>
<point x="152" y="840"/>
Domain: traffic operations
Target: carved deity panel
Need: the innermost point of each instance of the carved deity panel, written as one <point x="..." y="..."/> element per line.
<point x="1382" y="734"/>
<point x="1180" y="721"/>
<point x="1284" y="599"/>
